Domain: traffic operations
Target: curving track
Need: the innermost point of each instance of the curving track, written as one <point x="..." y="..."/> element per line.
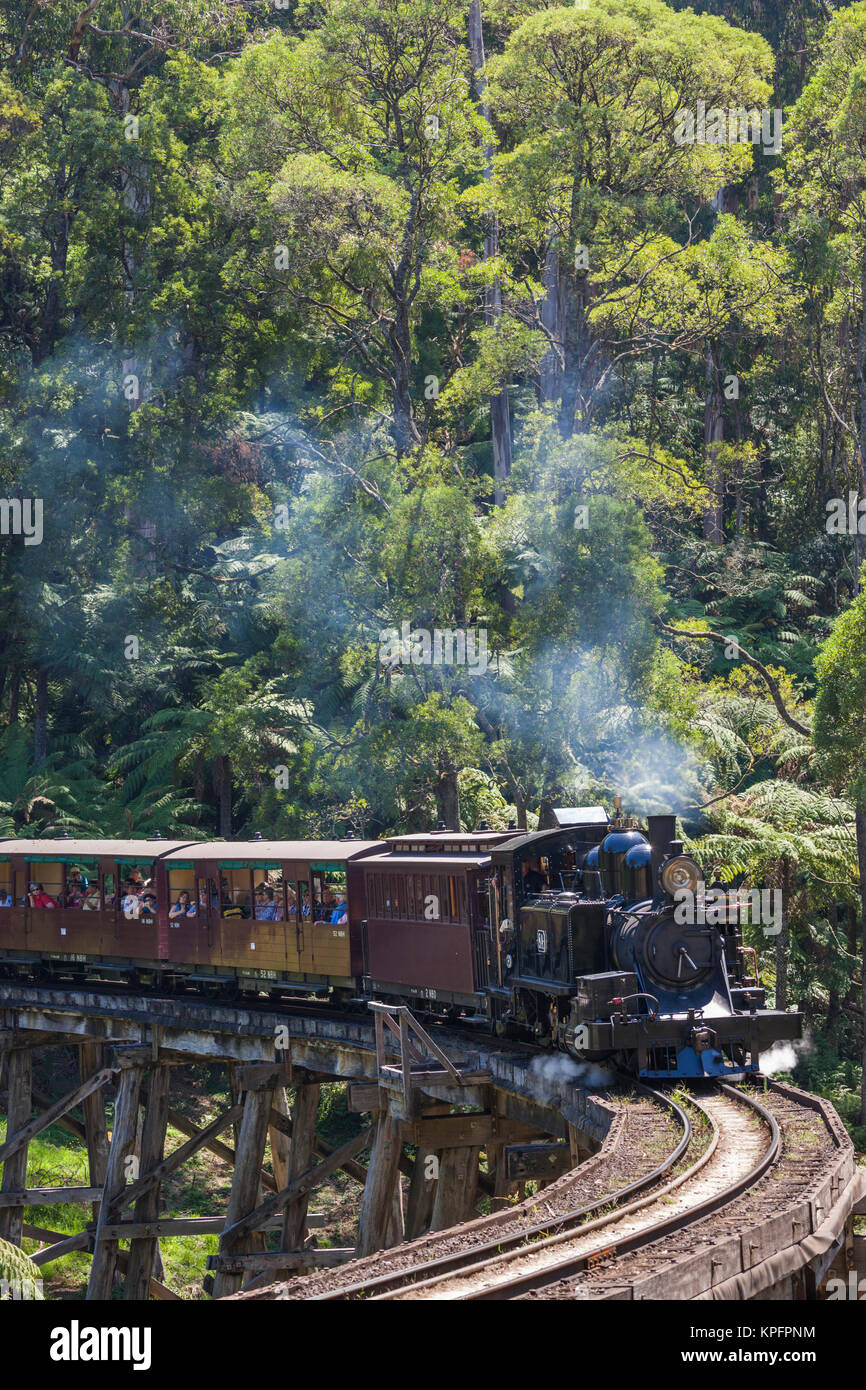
<point x="711" y="1163"/>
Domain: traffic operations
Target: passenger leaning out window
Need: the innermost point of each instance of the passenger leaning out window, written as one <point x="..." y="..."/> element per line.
<point x="37" y="897"/>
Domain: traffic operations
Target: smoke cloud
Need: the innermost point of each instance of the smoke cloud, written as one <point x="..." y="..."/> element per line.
<point x="549" y="1074"/>
<point x="784" y="1056"/>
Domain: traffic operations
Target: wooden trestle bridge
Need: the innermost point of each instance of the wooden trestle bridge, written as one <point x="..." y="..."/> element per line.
<point x="405" y="1079"/>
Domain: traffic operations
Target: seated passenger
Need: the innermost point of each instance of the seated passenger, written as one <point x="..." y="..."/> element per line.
<point x="91" y="902"/>
<point x="292" y="899"/>
<point x="229" y="908"/>
<point x="327" y="905"/>
<point x="74" y="894"/>
<point x="265" y="905"/>
<point x="5" y="899"/>
<point x="78" y="879"/>
<point x="184" y="907"/>
<point x="131" y="900"/>
<point x="340" y="913"/>
<point x="37" y="897"/>
<point x="148" y="903"/>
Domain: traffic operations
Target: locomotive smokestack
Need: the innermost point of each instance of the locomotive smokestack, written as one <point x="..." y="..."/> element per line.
<point x="661" y="830"/>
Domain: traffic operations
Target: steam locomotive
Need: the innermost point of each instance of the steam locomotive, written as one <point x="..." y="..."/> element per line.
<point x="579" y="937"/>
<point x="631" y="968"/>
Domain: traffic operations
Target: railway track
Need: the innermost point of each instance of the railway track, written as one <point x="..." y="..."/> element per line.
<point x="712" y="1163"/>
<point x="747" y="1144"/>
<point x="504" y="1232"/>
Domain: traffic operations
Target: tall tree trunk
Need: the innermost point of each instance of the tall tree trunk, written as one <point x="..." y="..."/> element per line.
<point x="574" y="307"/>
<point x="222" y="776"/>
<point x="40" y="723"/>
<point x="14" y="696"/>
<point x="550" y="371"/>
<point x="448" y="799"/>
<point x="860" y="822"/>
<point x="714" y="433"/>
<point x="404" y="429"/>
<point x="500" y="412"/>
<point x="860" y="541"/>
<point x="783" y="940"/>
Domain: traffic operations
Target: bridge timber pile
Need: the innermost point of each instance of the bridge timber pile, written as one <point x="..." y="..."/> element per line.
<point x="729" y="1193"/>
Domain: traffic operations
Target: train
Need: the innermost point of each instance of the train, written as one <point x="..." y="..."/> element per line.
<point x="573" y="937"/>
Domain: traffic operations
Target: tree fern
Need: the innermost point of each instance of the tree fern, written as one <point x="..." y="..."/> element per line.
<point x="19" y="1277"/>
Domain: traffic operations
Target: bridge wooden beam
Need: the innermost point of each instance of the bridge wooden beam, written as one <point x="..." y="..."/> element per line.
<point x="376" y="1219"/>
<point x="20" y="1108"/>
<point x="255" y="1219"/>
<point x="21" y="1138"/>
<point x="123" y="1137"/>
<point x="457" y="1188"/>
<point x="301" y="1159"/>
<point x="144" y="1250"/>
<point x="246" y="1184"/>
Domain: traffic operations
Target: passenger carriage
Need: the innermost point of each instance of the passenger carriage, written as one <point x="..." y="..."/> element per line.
<point x="221" y="939"/>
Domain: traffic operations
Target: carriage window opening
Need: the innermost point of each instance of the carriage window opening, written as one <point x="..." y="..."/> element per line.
<point x="50" y="881"/>
<point x="321" y="899"/>
<point x="82" y="886"/>
<point x="109" y="889"/>
<point x="234" y="892"/>
<point x="443" y="906"/>
<point x="269" y="900"/>
<point x="205" y="897"/>
<point x="304" y="895"/>
<point x="181" y="894"/>
<point x="275" y="883"/>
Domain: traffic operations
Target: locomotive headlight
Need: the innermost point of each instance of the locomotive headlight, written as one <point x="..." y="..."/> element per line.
<point x="680" y="873"/>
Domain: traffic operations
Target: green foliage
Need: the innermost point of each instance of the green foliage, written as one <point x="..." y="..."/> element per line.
<point x="271" y="282"/>
<point x="18" y="1273"/>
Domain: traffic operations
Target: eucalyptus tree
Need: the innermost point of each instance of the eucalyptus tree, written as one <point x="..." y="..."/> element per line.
<point x="606" y="162"/>
<point x="840" y="733"/>
<point x="346" y="151"/>
<point x="823" y="188"/>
